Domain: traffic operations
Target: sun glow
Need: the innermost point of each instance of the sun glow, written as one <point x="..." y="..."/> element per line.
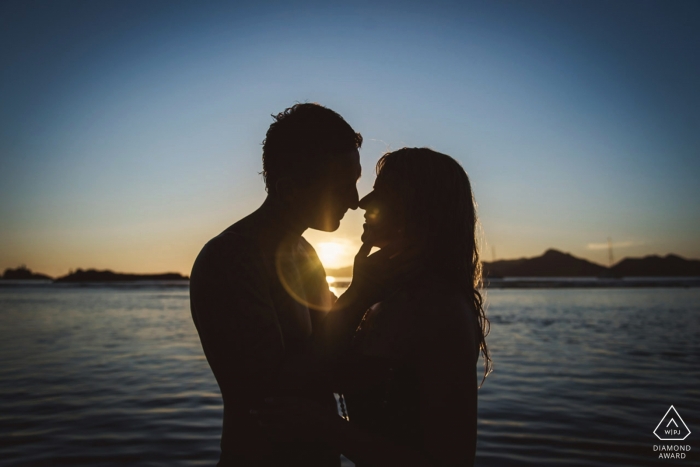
<point x="334" y="254"/>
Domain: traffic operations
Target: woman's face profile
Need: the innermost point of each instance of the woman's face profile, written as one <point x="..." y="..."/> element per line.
<point x="383" y="221"/>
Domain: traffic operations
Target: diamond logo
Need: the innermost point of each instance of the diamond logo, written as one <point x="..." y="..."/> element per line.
<point x="671" y="427"/>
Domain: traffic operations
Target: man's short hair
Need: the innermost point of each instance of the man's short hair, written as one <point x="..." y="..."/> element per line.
<point x="301" y="142"/>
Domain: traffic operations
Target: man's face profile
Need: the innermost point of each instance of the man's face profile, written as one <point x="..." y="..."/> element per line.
<point x="336" y="192"/>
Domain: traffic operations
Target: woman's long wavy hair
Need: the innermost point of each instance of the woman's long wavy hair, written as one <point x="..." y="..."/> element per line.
<point x="439" y="212"/>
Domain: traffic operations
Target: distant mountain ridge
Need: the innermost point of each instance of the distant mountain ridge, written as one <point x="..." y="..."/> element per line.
<point x="554" y="263"/>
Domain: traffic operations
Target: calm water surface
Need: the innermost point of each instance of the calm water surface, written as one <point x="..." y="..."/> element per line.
<point x="116" y="375"/>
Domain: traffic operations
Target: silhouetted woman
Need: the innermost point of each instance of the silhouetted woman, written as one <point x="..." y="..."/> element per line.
<point x="408" y="365"/>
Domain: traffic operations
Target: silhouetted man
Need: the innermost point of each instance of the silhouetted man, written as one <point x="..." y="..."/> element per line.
<point x="258" y="289"/>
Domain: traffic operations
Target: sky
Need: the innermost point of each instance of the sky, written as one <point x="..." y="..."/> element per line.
<point x="130" y="132"/>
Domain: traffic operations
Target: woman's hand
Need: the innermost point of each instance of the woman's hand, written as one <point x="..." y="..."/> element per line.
<point x="295" y="419"/>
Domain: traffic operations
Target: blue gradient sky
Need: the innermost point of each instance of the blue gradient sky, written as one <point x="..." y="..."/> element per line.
<point x="130" y="131"/>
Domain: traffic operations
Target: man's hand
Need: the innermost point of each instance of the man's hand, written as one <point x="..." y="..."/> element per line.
<point x="376" y="276"/>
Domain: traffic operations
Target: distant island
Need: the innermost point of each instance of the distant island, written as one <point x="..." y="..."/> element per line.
<point x="22" y="273"/>
<point x="92" y="275"/>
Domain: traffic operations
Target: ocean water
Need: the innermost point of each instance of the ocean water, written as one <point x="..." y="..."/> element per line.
<point x="115" y="375"/>
<point x="583" y="376"/>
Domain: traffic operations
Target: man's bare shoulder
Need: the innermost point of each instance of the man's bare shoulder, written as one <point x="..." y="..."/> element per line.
<point x="236" y="247"/>
<point x="232" y="240"/>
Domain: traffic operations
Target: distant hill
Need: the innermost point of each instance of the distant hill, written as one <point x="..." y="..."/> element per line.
<point x="92" y="275"/>
<point x="669" y="265"/>
<point x="552" y="263"/>
<point x="501" y="268"/>
<point x="23" y="273"/>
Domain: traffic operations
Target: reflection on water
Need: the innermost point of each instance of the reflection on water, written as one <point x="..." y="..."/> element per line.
<point x="108" y="376"/>
<point x="584" y="376"/>
<point x="104" y="377"/>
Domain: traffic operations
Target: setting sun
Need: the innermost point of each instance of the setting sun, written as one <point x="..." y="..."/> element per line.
<point x="334" y="254"/>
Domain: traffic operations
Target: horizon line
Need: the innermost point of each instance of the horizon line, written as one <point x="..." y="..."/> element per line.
<point x="72" y="271"/>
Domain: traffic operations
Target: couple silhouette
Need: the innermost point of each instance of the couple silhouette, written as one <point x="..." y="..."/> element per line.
<point x="400" y="345"/>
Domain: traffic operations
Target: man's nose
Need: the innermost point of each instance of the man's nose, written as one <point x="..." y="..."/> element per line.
<point x="354" y="199"/>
